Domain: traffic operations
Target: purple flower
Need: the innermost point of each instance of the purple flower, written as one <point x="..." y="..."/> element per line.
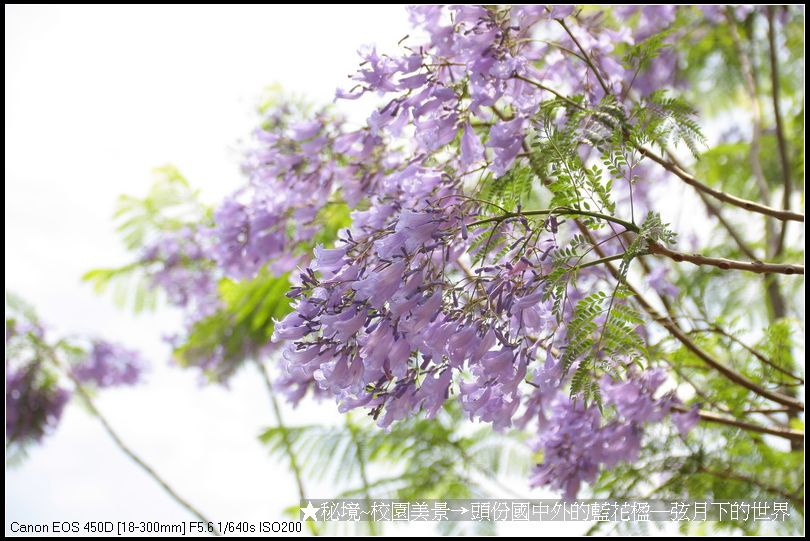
<point x="329" y="261"/>
<point x="472" y="151"/>
<point x="292" y="327"/>
<point x="635" y="398"/>
<point x="301" y="131"/>
<point x="572" y="447"/>
<point x="343" y="325"/>
<point x="379" y="286"/>
<point x="506" y="138"/>
<point x="409" y="307"/>
<point x="178" y="262"/>
<point x="657" y="279"/>
<point x="685" y="421"/>
<point x="433" y="392"/>
<point x="110" y="365"/>
<point x="34" y="403"/>
<point x="436" y="131"/>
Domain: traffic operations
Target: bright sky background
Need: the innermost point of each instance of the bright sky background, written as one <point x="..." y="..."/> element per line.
<point x="96" y="97"/>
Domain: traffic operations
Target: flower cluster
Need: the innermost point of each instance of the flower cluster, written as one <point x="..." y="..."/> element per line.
<point x="575" y="441"/>
<point x="109" y="365"/>
<point x="34" y="404"/>
<point x="179" y="265"/>
<point x="39" y="373"/>
<point x="294" y="168"/>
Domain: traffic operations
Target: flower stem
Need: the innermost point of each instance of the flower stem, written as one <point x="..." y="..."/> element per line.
<point x="562" y="211"/>
<point x="285" y="438"/>
<point x="361" y="462"/>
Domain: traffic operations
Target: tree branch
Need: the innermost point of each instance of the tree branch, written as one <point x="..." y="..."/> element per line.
<point x="787" y="181"/>
<point x="562" y="211"/>
<point x="719" y="195"/>
<point x="711" y="417"/>
<point x="361" y="463"/>
<point x="285" y="438"/>
<point x="80" y="390"/>
<point x="671" y="326"/>
<point x="585" y="57"/>
<point x="727" y="264"/>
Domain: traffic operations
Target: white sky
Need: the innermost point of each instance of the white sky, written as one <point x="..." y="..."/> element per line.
<point x="96" y="97"/>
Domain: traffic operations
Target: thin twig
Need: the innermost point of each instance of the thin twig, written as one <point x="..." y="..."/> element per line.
<point x="718" y="330"/>
<point x="361" y="462"/>
<point x="80" y="390"/>
<point x="680" y="172"/>
<point x="711" y="417"/>
<point x="585" y="57"/>
<point x="787" y="181"/>
<point x="726" y="264"/>
<point x="679" y="334"/>
<point x="559" y="95"/>
<point x="719" y="195"/>
<point x="285" y="439"/>
<point x="561" y="211"/>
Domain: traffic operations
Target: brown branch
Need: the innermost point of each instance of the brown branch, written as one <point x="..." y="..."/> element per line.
<point x="726" y="264"/>
<point x="730" y="374"/>
<point x="285" y="438"/>
<point x="749" y="76"/>
<point x="752" y="351"/>
<point x="787" y="181"/>
<point x="585" y="57"/>
<point x="711" y="417"/>
<point x="715" y="211"/>
<point x="671" y="326"/>
<point x="719" y="195"/>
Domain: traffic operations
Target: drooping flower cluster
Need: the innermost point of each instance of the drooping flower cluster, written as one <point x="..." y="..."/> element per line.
<point x="378" y="296"/>
<point x="35" y="399"/>
<point x="178" y="264"/>
<point x="576" y="442"/>
<point x="294" y="168"/>
<point x="39" y="372"/>
<point x="34" y="403"/>
<point x="109" y="365"/>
